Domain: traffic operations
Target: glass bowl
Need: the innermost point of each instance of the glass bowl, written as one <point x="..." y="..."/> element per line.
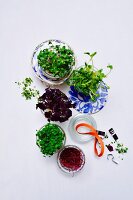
<point x="43" y="75"/>
<point x="63" y="142"/>
<point x="69" y="170"/>
<point x="81" y="118"/>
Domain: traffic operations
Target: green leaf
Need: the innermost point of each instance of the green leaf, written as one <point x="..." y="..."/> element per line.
<point x="87" y="53"/>
<point x="110" y="66"/>
<point x="93" y="54"/>
<point x="86" y="64"/>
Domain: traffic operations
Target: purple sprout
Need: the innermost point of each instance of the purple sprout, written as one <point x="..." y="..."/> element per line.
<point x="56" y="105"/>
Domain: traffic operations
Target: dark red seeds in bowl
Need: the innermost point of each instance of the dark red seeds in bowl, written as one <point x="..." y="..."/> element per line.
<point x="71" y="159"/>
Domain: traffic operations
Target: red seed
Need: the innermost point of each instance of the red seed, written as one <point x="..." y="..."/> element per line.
<point x="71" y="158"/>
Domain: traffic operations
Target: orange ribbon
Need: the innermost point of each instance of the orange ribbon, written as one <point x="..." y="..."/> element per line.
<point x="95" y="134"/>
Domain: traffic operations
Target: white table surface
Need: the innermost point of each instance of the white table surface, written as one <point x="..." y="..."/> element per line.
<point x="88" y="25"/>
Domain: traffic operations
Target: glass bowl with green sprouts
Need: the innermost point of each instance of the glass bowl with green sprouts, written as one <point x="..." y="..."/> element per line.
<point x="50" y="139"/>
<point x="87" y="79"/>
<point x="53" y="61"/>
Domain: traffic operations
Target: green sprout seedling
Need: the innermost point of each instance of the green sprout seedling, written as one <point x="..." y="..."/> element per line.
<point x="87" y="78"/>
<point x="28" y="92"/>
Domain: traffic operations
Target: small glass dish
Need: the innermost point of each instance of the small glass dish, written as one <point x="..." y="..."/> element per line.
<point x="63" y="142"/>
<point x="81" y="118"/>
<point x="43" y="75"/>
<point x="84" y="104"/>
<point x="71" y="164"/>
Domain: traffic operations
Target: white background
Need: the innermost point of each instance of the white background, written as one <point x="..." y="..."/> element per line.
<point x="88" y="25"/>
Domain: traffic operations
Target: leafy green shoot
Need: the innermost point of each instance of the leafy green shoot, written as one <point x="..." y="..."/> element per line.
<point x="88" y="78"/>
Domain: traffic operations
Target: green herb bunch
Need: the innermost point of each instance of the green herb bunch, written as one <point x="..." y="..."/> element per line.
<point x="87" y="78"/>
<point x="56" y="60"/>
<point x="50" y="139"/>
<point x="121" y="149"/>
<point x="27" y="91"/>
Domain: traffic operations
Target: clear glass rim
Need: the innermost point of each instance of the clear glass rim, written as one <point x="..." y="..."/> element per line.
<point x="72" y="131"/>
<point x="67" y="170"/>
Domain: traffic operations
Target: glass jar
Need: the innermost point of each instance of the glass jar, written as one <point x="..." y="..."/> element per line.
<point x="71" y="159"/>
<point x="81" y="118"/>
<point x="44" y="75"/>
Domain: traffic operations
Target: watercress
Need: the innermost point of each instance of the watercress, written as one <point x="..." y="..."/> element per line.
<point x="50" y="139"/>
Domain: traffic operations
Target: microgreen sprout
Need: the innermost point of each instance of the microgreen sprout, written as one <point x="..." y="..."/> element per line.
<point x="27" y="91"/>
<point x="56" y="60"/>
<point x="87" y="78"/>
<point x="50" y="139"/>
